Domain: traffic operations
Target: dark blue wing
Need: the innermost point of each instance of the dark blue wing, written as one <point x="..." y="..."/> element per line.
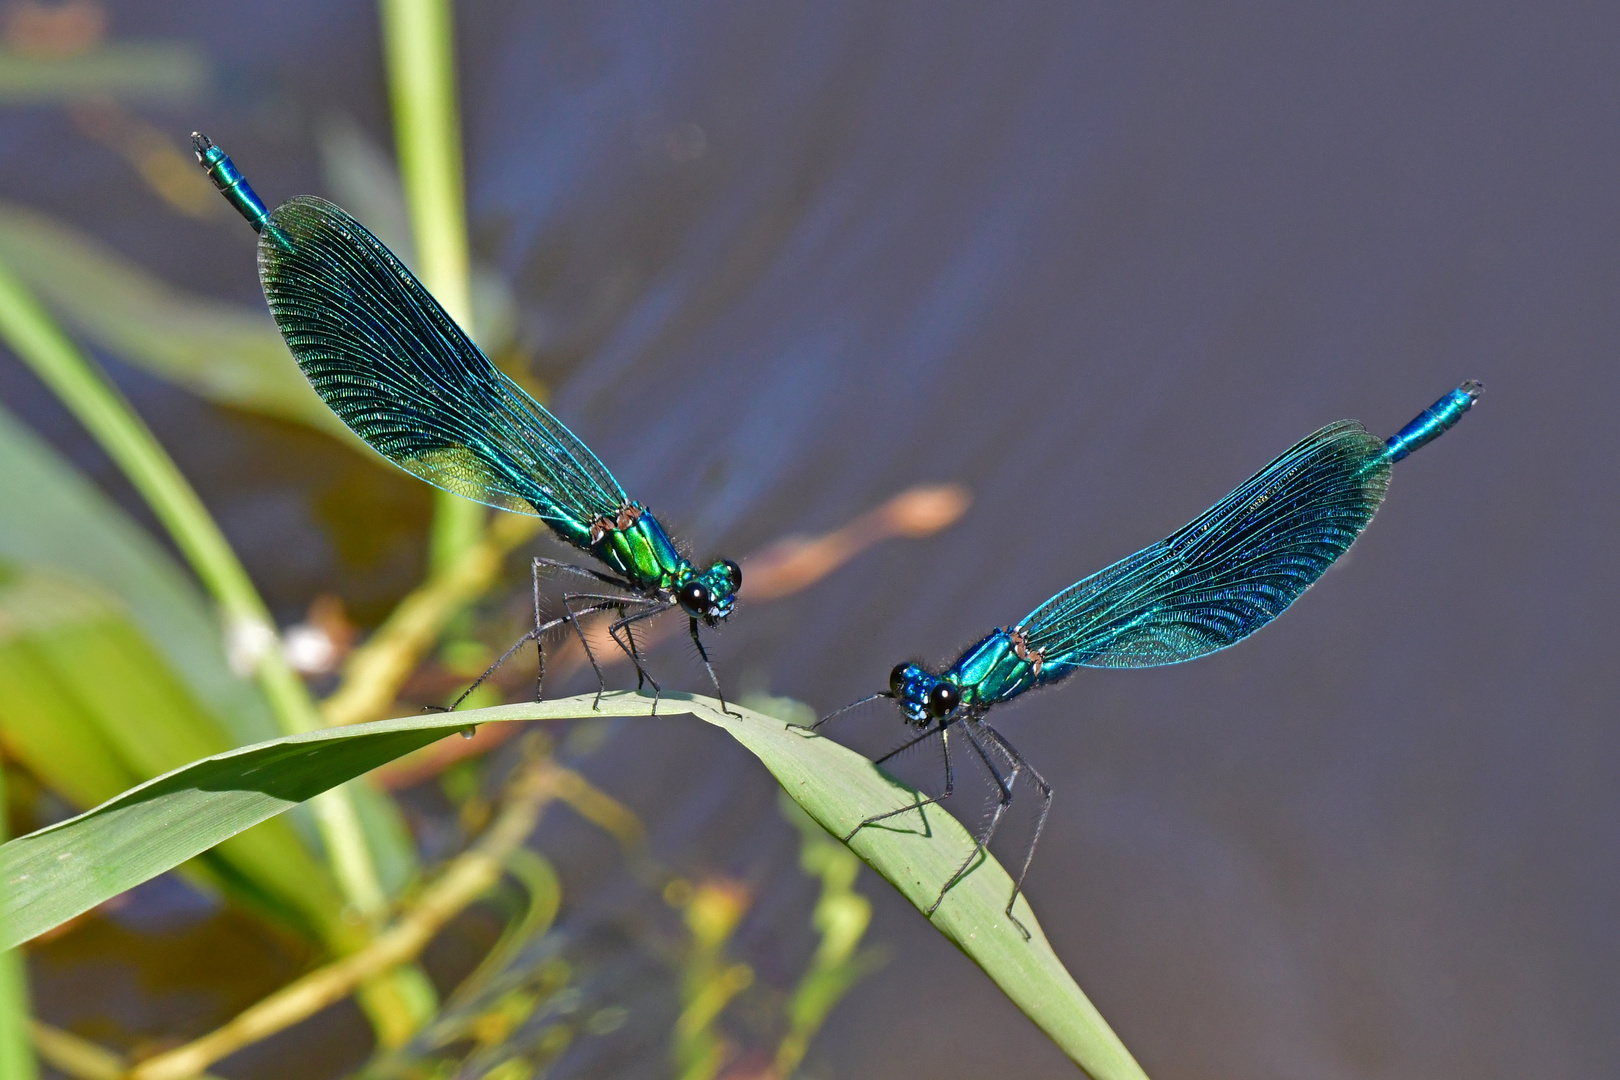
<point x="387" y="359"/>
<point x="1228" y="573"/>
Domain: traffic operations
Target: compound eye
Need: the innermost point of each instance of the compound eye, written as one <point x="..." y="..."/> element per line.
<point x="897" y="680"/>
<point x="942" y="699"/>
<point x="735" y="571"/>
<point x="694" y="597"/>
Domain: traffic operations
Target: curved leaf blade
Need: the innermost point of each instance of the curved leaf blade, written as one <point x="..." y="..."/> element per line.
<point x="51" y="875"/>
<point x="88" y="706"/>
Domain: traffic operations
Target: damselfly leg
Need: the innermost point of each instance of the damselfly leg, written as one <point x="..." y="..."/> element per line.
<point x="989" y="744"/>
<point x="535" y="635"/>
<point x="1040" y="821"/>
<point x="628" y="644"/>
<point x="601" y="602"/>
<point x="950" y="777"/>
<point x="847" y="708"/>
<point x="703" y="654"/>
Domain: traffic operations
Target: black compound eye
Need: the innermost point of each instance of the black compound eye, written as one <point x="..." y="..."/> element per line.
<point x="694" y="597"/>
<point x="942" y="699"/>
<point x="897" y="680"/>
<point x="735" y="571"/>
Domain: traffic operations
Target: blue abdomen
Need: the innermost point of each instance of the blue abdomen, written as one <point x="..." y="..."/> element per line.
<point x="1434" y="421"/>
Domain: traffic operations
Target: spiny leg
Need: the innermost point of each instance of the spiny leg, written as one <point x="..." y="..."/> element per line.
<point x="950" y="778"/>
<point x="704" y="655"/>
<point x="539" y="646"/>
<point x="539" y="629"/>
<point x="505" y="656"/>
<point x="536" y="634"/>
<point x="607" y="603"/>
<point x="851" y="705"/>
<point x="635" y="656"/>
<point x="982" y="841"/>
<point x="1040" y="823"/>
<point x="582" y="571"/>
<point x="627" y="643"/>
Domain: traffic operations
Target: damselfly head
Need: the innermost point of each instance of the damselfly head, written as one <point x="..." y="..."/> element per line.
<point x="922" y="695"/>
<point x="711" y="595"/>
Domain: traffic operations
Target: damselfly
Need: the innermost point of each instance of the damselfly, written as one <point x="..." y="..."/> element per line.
<point x="403" y="376"/>
<point x="1203" y="588"/>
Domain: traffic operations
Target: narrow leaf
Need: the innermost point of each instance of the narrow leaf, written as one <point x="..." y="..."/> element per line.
<point x="16" y="1055"/>
<point x="52" y="874"/>
<point x="157" y="72"/>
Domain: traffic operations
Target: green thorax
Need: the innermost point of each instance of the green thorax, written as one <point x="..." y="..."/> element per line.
<point x="636" y="547"/>
<point x="997" y="668"/>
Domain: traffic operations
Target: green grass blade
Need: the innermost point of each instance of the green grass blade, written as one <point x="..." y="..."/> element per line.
<point x="51" y="875"/>
<point x="228" y="354"/>
<point x="16" y="1052"/>
<point x="97" y="404"/>
<point x="419" y="47"/>
<point x="52" y="517"/>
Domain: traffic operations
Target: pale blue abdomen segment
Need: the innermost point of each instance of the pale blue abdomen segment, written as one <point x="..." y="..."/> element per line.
<point x="1434" y="421"/>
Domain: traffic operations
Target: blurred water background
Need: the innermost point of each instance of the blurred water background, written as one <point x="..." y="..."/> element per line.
<point x="1097" y="263"/>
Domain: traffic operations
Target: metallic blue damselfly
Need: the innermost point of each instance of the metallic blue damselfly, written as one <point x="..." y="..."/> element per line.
<point x="1205" y="587"/>
<point x="403" y="376"/>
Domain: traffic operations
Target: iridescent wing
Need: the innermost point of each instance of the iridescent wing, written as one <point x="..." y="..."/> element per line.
<point x="1229" y="572"/>
<point x="386" y="358"/>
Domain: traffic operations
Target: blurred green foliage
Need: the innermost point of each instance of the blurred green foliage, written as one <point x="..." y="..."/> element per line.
<point x="92" y="709"/>
<point x="154" y="72"/>
<point x="228" y="354"/>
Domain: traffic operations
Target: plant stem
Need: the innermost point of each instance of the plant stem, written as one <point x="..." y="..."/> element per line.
<point x="467" y="878"/>
<point x="250" y="634"/>
<point x="80" y="1058"/>
<point x="419" y="48"/>
<point x="16" y="1056"/>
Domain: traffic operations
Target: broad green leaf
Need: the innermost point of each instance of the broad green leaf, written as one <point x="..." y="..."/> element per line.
<point x="228" y="354"/>
<point x="89" y="707"/>
<point x="53" y="874"/>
